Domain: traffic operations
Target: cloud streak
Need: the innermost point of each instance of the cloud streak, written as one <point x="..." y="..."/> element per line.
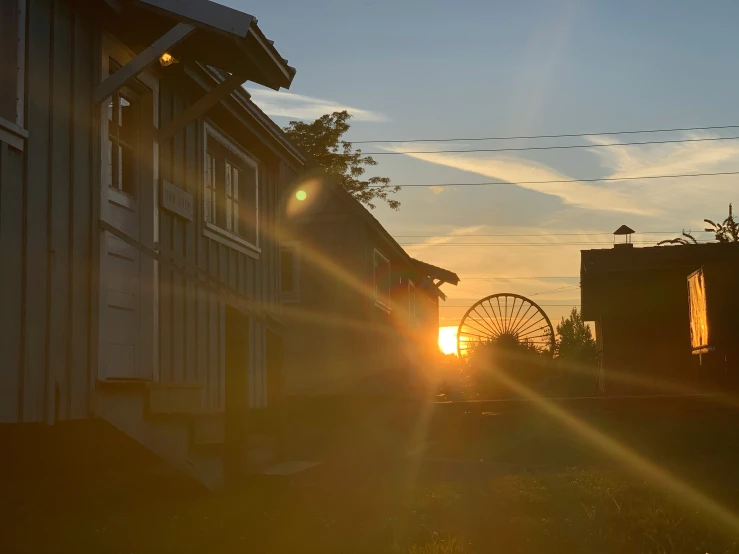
<point x="648" y="197"/>
<point x="287" y="104"/>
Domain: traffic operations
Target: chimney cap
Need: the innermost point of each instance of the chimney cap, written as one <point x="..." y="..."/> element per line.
<point x="623" y="230"/>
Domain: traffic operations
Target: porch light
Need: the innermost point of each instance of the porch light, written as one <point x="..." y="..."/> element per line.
<point x="167" y="59"/>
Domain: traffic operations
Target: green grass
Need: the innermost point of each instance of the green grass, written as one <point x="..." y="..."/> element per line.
<point x="578" y="503"/>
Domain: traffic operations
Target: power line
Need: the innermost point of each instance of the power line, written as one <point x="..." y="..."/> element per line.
<point x="512" y="244"/>
<point x="560" y="289"/>
<point x="543" y="234"/>
<point x="517" y="278"/>
<point x="602" y="179"/>
<point x="542" y="305"/>
<point x="555" y="147"/>
<point x="564" y="135"/>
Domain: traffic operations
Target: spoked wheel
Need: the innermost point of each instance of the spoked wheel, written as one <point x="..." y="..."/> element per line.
<point x="505" y="317"/>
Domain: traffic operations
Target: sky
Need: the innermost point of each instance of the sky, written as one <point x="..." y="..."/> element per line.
<point x="420" y="70"/>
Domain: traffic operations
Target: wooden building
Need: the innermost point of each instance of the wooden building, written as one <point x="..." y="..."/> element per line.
<point x="638" y="300"/>
<point x="139" y="195"/>
<point x="363" y="315"/>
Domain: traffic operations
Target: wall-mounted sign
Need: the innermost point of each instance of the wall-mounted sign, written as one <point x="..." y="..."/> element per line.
<point x="177" y="201"/>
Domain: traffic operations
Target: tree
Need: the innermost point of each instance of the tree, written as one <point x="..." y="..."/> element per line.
<point x="725" y="231"/>
<point x="575" y="340"/>
<point x="322" y="141"/>
<point x="521" y="360"/>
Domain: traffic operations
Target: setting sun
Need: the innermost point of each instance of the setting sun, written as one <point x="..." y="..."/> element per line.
<point x="448" y="340"/>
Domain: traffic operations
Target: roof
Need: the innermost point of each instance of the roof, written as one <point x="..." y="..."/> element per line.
<point x="435" y="272"/>
<point x="224" y="37"/>
<point x="627" y="260"/>
<point x="624" y="230"/>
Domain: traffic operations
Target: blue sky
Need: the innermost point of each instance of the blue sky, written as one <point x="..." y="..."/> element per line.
<point x="468" y="69"/>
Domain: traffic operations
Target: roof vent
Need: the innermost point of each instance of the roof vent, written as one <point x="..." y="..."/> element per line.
<point x="626" y="232"/>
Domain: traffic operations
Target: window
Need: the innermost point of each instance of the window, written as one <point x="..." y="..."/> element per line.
<point x="382" y="281"/>
<point x="126" y="151"/>
<point x="411" y="304"/>
<point x="230" y="193"/>
<point x="12" y="61"/>
<point x="290" y="271"/>
<point x="123" y="142"/>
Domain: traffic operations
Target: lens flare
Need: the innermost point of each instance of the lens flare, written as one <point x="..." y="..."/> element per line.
<point x="301" y="195"/>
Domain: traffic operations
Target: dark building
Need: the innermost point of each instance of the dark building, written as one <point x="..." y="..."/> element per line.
<point x="638" y="299"/>
<point x="362" y="316"/>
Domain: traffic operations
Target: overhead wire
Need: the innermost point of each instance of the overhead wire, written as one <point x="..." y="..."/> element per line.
<point x="561" y="135"/>
<point x="514" y="244"/>
<point x="544" y="234"/>
<point x="560" y="181"/>
<point x="551" y="147"/>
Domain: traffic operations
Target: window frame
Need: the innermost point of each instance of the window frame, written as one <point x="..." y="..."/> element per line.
<point x="383" y="304"/>
<point x="294" y="294"/>
<point x="211" y="229"/>
<point x="13" y="131"/>
<point x="412" y="304"/>
<point x="123" y="197"/>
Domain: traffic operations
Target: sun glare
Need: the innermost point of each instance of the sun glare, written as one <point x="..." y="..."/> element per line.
<point x="448" y="340"/>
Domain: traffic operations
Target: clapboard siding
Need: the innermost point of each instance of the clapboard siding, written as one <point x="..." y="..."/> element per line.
<point x="192" y="318"/>
<point x="49" y="234"/>
<point x="40" y="58"/>
<point x="45" y="226"/>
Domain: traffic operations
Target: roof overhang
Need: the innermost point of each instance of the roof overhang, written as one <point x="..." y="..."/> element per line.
<point x="434" y="272"/>
<point x="223" y="38"/>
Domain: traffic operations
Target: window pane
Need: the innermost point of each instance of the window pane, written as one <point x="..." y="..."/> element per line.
<point x="248" y="204"/>
<point x="128" y="170"/>
<point x="109" y="173"/>
<point x="209" y="196"/>
<point x="8" y="59"/>
<point x="229" y="214"/>
<point x="229" y="193"/>
<point x="119" y="167"/>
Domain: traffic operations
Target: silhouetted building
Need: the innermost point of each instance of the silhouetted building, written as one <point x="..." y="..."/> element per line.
<point x="638" y="300"/>
<point x="362" y="315"/>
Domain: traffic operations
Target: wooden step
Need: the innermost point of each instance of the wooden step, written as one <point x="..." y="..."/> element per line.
<point x="175" y="398"/>
<point x="289" y="468"/>
<point x="208" y="433"/>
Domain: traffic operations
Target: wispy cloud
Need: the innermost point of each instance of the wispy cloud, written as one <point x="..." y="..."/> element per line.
<point x="517" y="170"/>
<point x="647" y="197"/>
<point x="287" y="104"/>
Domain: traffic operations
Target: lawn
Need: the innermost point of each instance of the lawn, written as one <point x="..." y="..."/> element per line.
<point x="538" y="489"/>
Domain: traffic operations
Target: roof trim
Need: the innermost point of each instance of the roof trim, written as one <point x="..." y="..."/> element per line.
<point x="242" y="97"/>
<point x="224" y="35"/>
<point x="206" y="14"/>
<point x="436" y="272"/>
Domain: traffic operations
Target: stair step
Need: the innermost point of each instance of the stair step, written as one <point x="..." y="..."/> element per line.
<point x="208" y="429"/>
<point x="289" y="468"/>
<point x="167" y="398"/>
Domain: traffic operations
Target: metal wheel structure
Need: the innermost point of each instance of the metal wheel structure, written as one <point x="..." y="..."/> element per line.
<point x="505" y="317"/>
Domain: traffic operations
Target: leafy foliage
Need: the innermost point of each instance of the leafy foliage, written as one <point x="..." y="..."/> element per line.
<point x="322" y="141"/>
<point x="724" y="231"/>
<point x="686" y="238"/>
<point x="522" y="360"/>
<point x="575" y="340"/>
